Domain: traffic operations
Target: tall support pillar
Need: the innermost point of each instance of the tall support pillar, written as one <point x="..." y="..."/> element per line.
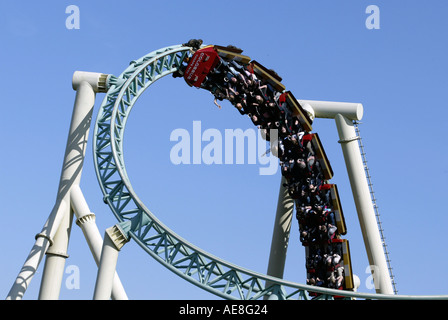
<point x="43" y="240"/>
<point x="114" y="239"/>
<point x="364" y="206"/>
<point x="71" y="175"/>
<point x="55" y="259"/>
<point x="86" y="221"/>
<point x="280" y="236"/>
<point x="57" y="226"/>
<point x="344" y="113"/>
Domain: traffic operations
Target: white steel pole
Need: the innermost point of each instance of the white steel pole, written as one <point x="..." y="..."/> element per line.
<point x="43" y="241"/>
<point x="344" y="114"/>
<point x="280" y="236"/>
<point x="55" y="259"/>
<point x="364" y="206"/>
<point x="329" y="109"/>
<point x="86" y="221"/>
<point x="114" y="240"/>
<point x="71" y="175"/>
<point x="86" y="85"/>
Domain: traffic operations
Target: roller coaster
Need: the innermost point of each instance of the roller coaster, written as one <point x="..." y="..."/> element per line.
<point x="257" y="93"/>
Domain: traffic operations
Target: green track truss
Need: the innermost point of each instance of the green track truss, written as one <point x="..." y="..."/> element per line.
<point x="210" y="273"/>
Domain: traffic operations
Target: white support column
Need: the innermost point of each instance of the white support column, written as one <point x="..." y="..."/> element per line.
<point x="280" y="235"/>
<point x="70" y="176"/>
<point x="86" y="221"/>
<point x="43" y="241"/>
<point x="114" y="240"/>
<point x="364" y="206"/>
<point x="344" y="114"/>
<point x="55" y="259"/>
<point x="86" y="85"/>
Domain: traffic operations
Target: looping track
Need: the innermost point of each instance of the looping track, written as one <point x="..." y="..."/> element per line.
<point x="178" y="255"/>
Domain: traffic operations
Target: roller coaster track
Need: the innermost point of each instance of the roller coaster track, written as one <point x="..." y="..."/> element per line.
<point x="208" y="272"/>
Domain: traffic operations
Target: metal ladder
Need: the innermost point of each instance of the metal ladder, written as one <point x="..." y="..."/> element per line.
<point x="375" y="206"/>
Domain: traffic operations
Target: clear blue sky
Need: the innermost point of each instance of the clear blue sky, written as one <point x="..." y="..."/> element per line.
<point x="323" y="51"/>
